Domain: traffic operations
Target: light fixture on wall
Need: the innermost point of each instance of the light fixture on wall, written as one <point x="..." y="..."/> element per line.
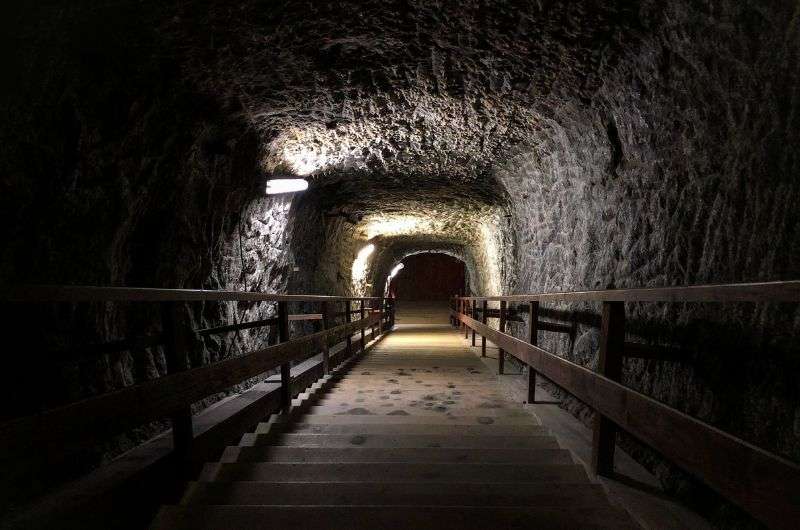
<point x="276" y="186"/>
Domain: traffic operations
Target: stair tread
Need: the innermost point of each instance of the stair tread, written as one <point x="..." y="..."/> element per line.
<point x="410" y="437"/>
<point x="404" y="440"/>
<point x="400" y="493"/>
<point x="438" y="419"/>
<point x="393" y="472"/>
<point x="266" y="453"/>
<point x="388" y="517"/>
<point x="458" y="429"/>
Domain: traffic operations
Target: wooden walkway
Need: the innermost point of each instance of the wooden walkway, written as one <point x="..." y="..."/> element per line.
<point x="413" y="434"/>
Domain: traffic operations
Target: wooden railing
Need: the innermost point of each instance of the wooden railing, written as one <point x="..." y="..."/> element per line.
<point x="171" y="396"/>
<point x="764" y="484"/>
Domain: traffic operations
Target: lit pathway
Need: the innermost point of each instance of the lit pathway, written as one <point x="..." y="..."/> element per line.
<point x="415" y="434"/>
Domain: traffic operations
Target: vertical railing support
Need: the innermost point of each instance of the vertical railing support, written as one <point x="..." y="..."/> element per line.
<point x="371" y="310"/>
<point x="326" y="350"/>
<point x="465" y="311"/>
<point x="286" y="368"/>
<point x="474" y="303"/>
<point x="348" y="317"/>
<point x="484" y="311"/>
<point x="501" y="354"/>
<point x="612" y="340"/>
<point x="382" y="315"/>
<point x="363" y="333"/>
<point x="175" y="355"/>
<point x="533" y="338"/>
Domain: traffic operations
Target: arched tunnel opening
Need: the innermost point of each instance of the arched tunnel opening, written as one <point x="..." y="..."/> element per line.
<point x="501" y="151"/>
<point x="429" y="276"/>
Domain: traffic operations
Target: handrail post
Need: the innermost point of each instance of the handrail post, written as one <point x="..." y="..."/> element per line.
<point x="612" y="340"/>
<point x="348" y="317"/>
<point x="175" y="356"/>
<point x="484" y="310"/>
<point x="465" y="310"/>
<point x="326" y="350"/>
<point x="501" y="354"/>
<point x="361" y="308"/>
<point x="371" y="310"/>
<point x="286" y="368"/>
<point x="381" y="316"/>
<point x="474" y="303"/>
<point x="533" y="338"/>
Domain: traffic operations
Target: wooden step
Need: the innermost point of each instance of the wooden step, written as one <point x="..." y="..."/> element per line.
<point x="390" y="419"/>
<point x="408" y="455"/>
<point x="437" y="410"/>
<point x="387" y="517"/>
<point x="459" y="429"/>
<point x="392" y="472"/>
<point x="395" y="494"/>
<point x="405" y="440"/>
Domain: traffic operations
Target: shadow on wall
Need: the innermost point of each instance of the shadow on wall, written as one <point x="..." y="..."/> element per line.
<point x="429" y="277"/>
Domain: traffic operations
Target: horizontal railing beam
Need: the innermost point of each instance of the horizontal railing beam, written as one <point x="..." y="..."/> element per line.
<point x="237" y="327"/>
<point x="788" y="291"/>
<point x="47" y="293"/>
<point x="135" y="405"/>
<point x="766" y="485"/>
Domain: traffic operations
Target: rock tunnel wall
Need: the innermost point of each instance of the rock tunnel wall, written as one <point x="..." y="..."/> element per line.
<point x="678" y="172"/>
<point x="549" y="146"/>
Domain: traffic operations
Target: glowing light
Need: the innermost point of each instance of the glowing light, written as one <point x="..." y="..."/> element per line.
<point x="365" y="252"/>
<point x="397" y="225"/>
<point x="276" y="186"/>
<point x="305" y="160"/>
<point x="489" y="236"/>
<point x="360" y="265"/>
<point x="397" y="269"/>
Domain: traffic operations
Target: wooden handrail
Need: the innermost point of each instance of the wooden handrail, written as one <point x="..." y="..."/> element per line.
<point x="786" y="291"/>
<point x="51" y="293"/>
<point x="135" y="405"/>
<point x="764" y="484"/>
<point x="171" y="395"/>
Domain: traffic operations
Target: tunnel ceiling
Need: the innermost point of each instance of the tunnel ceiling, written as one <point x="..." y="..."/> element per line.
<point x="387" y="94"/>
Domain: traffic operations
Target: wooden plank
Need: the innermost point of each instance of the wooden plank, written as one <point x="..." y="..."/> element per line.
<point x="135" y="405"/>
<point x="236" y="327"/>
<point x="57" y="293"/>
<point x="533" y="338"/>
<point x="501" y="354"/>
<point x="483" y="320"/>
<point x="306" y="316"/>
<point x="473" y="316"/>
<point x="286" y="366"/>
<point x="788" y="291"/>
<point x="609" y="364"/>
<point x="764" y="484"/>
<point x="326" y="351"/>
<point x="176" y="357"/>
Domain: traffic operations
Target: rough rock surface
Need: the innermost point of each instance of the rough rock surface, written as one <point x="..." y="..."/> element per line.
<point x="549" y="145"/>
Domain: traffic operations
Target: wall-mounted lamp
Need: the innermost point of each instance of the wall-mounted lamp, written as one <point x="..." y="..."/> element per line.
<point x="276" y="186"/>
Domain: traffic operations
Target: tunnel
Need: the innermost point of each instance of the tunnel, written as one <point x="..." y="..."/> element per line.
<point x="555" y="195"/>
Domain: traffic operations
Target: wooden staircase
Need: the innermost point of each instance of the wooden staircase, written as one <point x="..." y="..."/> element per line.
<point x="414" y="434"/>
